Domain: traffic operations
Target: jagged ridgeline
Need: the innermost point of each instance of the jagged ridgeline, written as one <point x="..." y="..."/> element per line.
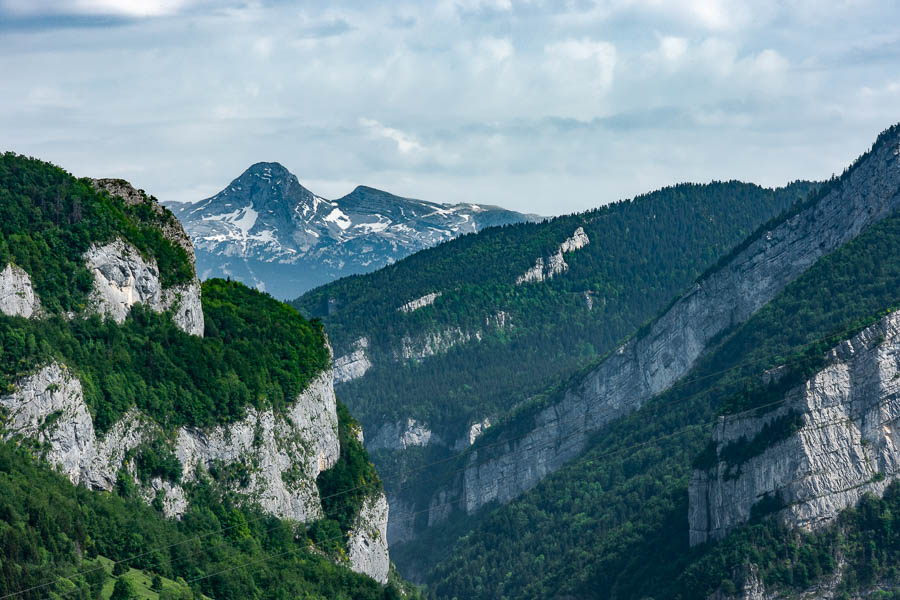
<point x="455" y="335"/>
<point x="767" y="468"/>
<point x="198" y="424"/>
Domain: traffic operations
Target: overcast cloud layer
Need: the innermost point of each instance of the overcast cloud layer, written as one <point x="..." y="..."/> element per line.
<point x="546" y="107"/>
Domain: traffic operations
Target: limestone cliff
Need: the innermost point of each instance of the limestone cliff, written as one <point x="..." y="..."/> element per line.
<point x="283" y="453"/>
<point x="353" y="365"/>
<point x="669" y="346"/>
<point x="402" y="434"/>
<point x="279" y="455"/>
<point x="843" y="443"/>
<point x="556" y="262"/>
<point x="17" y="297"/>
<point x="367" y="542"/>
<point x="169" y="225"/>
<point x="123" y="278"/>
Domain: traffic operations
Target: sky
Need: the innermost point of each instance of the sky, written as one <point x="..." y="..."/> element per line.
<point x="546" y="107"/>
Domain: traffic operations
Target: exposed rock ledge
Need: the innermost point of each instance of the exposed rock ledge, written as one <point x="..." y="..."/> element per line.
<point x="556" y="263"/>
<point x="17" y="297"/>
<point x="846" y="446"/>
<point x="434" y="342"/>
<point x="418" y="303"/>
<point x="400" y="435"/>
<point x="353" y="365"/>
<point x="122" y="278"/>
<point x="475" y="431"/>
<point x="170" y="226"/>
<point x="49" y="407"/>
<point x="367" y="542"/>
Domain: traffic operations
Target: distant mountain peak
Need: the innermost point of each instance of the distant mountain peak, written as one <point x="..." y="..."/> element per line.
<point x="267" y="230"/>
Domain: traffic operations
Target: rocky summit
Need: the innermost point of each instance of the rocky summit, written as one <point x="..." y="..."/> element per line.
<point x="267" y="230"/>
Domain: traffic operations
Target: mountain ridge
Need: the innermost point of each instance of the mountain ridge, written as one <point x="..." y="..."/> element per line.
<point x="268" y="230"/>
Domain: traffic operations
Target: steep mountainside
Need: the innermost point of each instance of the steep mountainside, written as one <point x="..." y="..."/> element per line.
<point x="213" y="403"/>
<point x="810" y="433"/>
<point x="435" y="348"/>
<point x="267" y="230"/>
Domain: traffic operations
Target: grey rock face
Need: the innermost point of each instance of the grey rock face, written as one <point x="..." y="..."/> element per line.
<point x="434" y="342"/>
<point x="418" y="303"/>
<point x="556" y="263"/>
<point x="353" y="365"/>
<point x="367" y="543"/>
<point x="650" y="364"/>
<point x="475" y="431"/>
<point x="401" y="524"/>
<point x="400" y="435"/>
<point x="284" y="454"/>
<point x="17" y="297"/>
<point x="850" y="433"/>
<point x="49" y="407"/>
<point x="122" y="278"/>
<point x="753" y="588"/>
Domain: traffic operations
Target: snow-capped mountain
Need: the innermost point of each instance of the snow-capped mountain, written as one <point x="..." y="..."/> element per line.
<point x="267" y="230"/>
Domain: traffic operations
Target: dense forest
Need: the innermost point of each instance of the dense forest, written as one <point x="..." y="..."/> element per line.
<point x="614" y="522"/>
<point x="642" y="253"/>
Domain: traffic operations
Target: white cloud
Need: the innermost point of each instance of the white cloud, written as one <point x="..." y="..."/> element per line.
<point x="578" y="76"/>
<point x="599" y="58"/>
<point x="672" y="49"/>
<point x="262" y="47"/>
<point x="406" y="144"/>
<point x="124" y="8"/>
<point x="493" y="101"/>
<point x="497" y="49"/>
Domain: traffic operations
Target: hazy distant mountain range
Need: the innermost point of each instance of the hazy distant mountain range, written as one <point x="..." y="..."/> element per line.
<point x="267" y="230"/>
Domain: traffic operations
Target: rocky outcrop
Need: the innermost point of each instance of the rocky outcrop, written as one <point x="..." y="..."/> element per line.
<point x="281" y="454"/>
<point x="847" y="433"/>
<point x="353" y="365"/>
<point x="17" y="297"/>
<point x="555" y="263"/>
<point x="400" y="435"/>
<point x="167" y="223"/>
<point x="426" y="300"/>
<point x="827" y="588"/>
<point x="401" y="525"/>
<point x="500" y="320"/>
<point x="367" y="543"/>
<point x="475" y="431"/>
<point x="123" y="278"/>
<point x="670" y="346"/>
<point x="434" y="342"/>
<point x="49" y="407"/>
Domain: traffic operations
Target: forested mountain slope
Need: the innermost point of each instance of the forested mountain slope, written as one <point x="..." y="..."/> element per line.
<point x="486" y="332"/>
<point x="615" y="522"/>
<point x="177" y="411"/>
<point x="481" y="337"/>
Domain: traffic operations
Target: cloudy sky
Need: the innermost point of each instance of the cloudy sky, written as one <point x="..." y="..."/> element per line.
<point x="545" y="106"/>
